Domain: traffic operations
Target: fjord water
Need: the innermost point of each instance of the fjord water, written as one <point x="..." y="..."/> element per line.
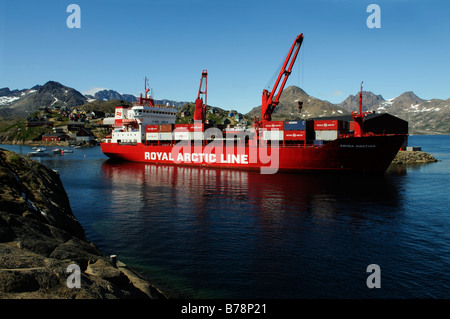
<point x="208" y="233"/>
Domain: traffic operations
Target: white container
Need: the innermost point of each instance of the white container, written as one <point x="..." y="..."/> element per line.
<point x="197" y="135"/>
<point x="273" y="135"/>
<point x="327" y="135"/>
<point x="152" y="136"/>
<point x="181" y="136"/>
<point x="165" y="136"/>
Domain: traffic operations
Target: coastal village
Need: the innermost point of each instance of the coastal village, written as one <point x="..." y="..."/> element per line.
<point x="86" y="126"/>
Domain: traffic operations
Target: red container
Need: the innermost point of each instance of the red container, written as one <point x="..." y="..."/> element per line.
<point x="328" y="125"/>
<point x="165" y="128"/>
<point x="182" y="126"/>
<point x="196" y="127"/>
<point x="294" y="135"/>
<point x="272" y="125"/>
<point x="152" y="128"/>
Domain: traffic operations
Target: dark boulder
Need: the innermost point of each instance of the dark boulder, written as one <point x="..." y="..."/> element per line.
<point x="40" y="237"/>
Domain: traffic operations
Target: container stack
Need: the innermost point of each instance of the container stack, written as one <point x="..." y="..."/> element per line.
<point x="162" y="132"/>
<point x="177" y="132"/>
<point x="181" y="132"/>
<point x="165" y="132"/>
<point x="152" y="132"/>
<point x="297" y="130"/>
<point x="273" y="130"/>
<point x="329" y="130"/>
<point x="197" y="131"/>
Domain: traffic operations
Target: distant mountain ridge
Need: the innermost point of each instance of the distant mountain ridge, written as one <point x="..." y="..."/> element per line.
<point x="371" y="101"/>
<point x="424" y="116"/>
<point x="108" y="95"/>
<point x="287" y="109"/>
<point x="24" y="102"/>
<point x="51" y="94"/>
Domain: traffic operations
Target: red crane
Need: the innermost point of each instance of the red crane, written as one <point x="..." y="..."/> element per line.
<point x="200" y="107"/>
<point x="269" y="99"/>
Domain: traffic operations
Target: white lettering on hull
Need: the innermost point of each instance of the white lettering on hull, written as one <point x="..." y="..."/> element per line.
<point x="198" y="158"/>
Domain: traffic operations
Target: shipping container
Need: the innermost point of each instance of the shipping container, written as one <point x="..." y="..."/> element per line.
<point x="196" y="127"/>
<point x="180" y="135"/>
<point x="165" y="128"/>
<point x="329" y="125"/>
<point x="151" y="128"/>
<point x="328" y="135"/>
<point x="295" y="125"/>
<point x="152" y="136"/>
<point x="269" y="125"/>
<point x="294" y="135"/>
<point x="197" y="135"/>
<point x="165" y="136"/>
<point x="273" y="135"/>
<point x="184" y="126"/>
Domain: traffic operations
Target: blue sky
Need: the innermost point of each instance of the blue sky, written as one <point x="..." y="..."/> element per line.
<point x="240" y="43"/>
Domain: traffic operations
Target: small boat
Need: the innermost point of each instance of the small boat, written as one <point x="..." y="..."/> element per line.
<point x="57" y="151"/>
<point x="66" y="150"/>
<point x="38" y="151"/>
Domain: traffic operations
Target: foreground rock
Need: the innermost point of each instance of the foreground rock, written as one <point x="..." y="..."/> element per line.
<point x="40" y="238"/>
<point x="413" y="157"/>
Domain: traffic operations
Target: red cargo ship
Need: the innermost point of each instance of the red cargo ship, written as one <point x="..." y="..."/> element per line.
<point x="147" y="133"/>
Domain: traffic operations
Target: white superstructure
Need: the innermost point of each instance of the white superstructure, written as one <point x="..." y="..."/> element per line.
<point x="130" y="122"/>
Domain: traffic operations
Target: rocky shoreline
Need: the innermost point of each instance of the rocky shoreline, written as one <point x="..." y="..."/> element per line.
<point x="413" y="157"/>
<point x="40" y="239"/>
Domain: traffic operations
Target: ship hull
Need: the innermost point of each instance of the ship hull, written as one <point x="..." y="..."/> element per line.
<point x="369" y="154"/>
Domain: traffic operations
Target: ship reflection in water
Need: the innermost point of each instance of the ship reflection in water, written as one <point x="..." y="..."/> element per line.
<point x="237" y="234"/>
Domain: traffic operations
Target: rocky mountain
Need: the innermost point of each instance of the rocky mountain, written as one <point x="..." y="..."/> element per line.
<point x="287" y="109"/>
<point x="370" y="102"/>
<point x="7" y="97"/>
<point x="109" y="95"/>
<point x="51" y="94"/>
<point x="424" y="116"/>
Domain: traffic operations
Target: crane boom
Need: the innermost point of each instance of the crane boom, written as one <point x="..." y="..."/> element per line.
<point x="200" y="106"/>
<point x="268" y="101"/>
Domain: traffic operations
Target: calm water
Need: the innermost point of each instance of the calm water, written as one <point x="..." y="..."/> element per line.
<point x="206" y="233"/>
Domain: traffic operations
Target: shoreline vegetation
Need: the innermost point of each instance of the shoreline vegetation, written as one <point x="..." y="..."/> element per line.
<point x="40" y="238"/>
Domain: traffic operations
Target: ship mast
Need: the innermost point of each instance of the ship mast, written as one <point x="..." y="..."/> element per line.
<point x="359" y="117"/>
<point x="146" y="100"/>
